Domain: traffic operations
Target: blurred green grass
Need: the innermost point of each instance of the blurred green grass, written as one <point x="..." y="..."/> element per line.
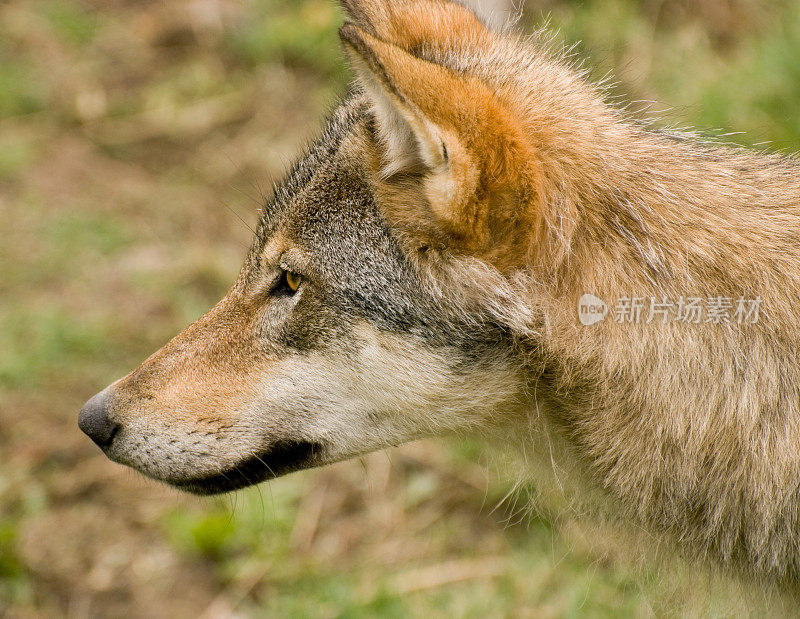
<point x="717" y="67"/>
<point x="133" y="138"/>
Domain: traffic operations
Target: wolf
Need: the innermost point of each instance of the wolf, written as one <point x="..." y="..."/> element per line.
<point x="419" y="272"/>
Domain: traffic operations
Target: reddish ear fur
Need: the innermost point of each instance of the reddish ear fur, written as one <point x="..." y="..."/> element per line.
<point x="413" y="24"/>
<point x="481" y="173"/>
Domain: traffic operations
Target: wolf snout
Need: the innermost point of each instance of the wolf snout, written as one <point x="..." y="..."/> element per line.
<point x="95" y="422"/>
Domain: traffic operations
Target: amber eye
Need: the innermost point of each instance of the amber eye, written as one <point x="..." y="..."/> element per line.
<point x="293" y="281"/>
<point x="287" y="284"/>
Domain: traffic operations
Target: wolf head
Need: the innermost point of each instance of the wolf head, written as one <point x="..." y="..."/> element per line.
<point x="369" y="311"/>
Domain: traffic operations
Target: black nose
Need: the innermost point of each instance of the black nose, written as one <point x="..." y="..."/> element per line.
<point x="94" y="420"/>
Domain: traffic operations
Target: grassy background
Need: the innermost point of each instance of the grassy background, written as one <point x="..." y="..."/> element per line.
<point x="136" y="142"/>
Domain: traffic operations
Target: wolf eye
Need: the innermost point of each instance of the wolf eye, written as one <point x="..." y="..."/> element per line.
<point x="287" y="283"/>
<point x="293" y="280"/>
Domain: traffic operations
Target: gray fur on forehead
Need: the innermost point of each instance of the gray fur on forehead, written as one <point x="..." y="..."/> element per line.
<point x="326" y="205"/>
<point x="352" y="111"/>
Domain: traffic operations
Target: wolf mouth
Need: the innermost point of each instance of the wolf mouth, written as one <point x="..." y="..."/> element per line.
<point x="282" y="458"/>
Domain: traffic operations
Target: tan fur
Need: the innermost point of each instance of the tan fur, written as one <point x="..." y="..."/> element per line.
<point x="693" y="429"/>
<point x="515" y="188"/>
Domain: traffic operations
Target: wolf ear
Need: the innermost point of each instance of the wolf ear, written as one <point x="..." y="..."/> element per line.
<point x="366" y="13"/>
<point x="391" y="76"/>
<point x="405" y="22"/>
<point x="451" y="129"/>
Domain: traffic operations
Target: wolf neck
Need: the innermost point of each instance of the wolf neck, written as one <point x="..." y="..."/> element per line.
<point x="691" y="427"/>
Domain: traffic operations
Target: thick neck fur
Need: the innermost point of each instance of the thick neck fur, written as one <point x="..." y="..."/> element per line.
<point x="693" y="428"/>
